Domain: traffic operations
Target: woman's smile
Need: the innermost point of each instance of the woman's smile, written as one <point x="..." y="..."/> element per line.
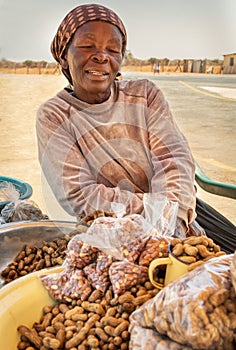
<point x="97" y="75"/>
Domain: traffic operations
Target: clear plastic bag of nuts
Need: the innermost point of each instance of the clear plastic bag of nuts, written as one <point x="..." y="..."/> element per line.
<point x="121" y="237"/>
<point x="120" y="241"/>
<point x="124" y="237"/>
<point x="196" y="311"/>
<point x="22" y="210"/>
<point x="16" y="209"/>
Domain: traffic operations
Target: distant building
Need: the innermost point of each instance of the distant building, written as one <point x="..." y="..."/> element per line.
<point x="229" y="64"/>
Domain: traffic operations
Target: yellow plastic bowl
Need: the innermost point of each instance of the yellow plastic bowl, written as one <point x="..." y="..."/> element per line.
<point x="21" y="303"/>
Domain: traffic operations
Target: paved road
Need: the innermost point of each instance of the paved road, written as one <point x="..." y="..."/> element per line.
<point x="206" y="118"/>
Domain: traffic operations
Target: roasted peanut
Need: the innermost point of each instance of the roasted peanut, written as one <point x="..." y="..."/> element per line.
<point x="187" y="259"/>
<point x="192" y="266"/>
<point x="203" y="251"/>
<point x="51" y="343"/>
<point x="101" y="334"/>
<point x="121" y="327"/>
<point x="77" y="338"/>
<point x="190" y="250"/>
<point x="30" y="335"/>
<point x="93" y="307"/>
<point x="178" y="249"/>
<point x="96" y="294"/>
<point x="61" y="336"/>
<point x="92" y="341"/>
<point x="111" y="321"/>
<point x="74" y="311"/>
<point x="139" y="300"/>
<point x="175" y="241"/>
<point x="117" y="341"/>
<point x="127" y="297"/>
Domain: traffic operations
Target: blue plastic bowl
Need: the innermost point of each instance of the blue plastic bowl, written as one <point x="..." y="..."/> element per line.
<point x="23" y="187"/>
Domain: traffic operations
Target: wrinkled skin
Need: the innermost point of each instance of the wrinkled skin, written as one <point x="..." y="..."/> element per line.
<point x="94" y="57"/>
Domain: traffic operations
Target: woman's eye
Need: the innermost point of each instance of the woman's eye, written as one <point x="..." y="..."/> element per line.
<point x="85" y="46"/>
<point x="114" y="50"/>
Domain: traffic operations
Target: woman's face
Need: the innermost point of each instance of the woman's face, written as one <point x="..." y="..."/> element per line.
<point x="94" y="58"/>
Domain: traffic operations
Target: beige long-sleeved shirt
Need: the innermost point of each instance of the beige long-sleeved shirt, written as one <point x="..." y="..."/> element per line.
<point x="115" y="151"/>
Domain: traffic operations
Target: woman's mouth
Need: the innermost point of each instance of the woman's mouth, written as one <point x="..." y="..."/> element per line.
<point x="95" y="72"/>
<point x="97" y="75"/>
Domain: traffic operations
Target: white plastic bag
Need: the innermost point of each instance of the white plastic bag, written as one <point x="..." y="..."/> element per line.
<point x="160" y="213"/>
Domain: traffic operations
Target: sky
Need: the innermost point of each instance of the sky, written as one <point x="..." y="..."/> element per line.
<point x="174" y="29"/>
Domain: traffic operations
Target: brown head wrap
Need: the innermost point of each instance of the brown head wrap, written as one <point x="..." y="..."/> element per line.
<point x="76" y="18"/>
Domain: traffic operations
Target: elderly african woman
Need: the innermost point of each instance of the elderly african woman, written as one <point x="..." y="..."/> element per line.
<point x="101" y="140"/>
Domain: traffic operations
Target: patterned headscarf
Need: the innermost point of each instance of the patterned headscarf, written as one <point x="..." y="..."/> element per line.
<point x="76" y="18"/>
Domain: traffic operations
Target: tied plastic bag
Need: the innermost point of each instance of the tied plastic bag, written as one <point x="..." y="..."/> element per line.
<point x="67" y="285"/>
<point x="124" y="275"/>
<point x="79" y="254"/>
<point x="160" y="213"/>
<point x="18" y="210"/>
<point x="74" y="282"/>
<point x="123" y="239"/>
<point x="198" y="310"/>
<point x="22" y="210"/>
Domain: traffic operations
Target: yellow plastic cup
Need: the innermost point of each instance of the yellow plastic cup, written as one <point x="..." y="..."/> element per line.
<point x="175" y="268"/>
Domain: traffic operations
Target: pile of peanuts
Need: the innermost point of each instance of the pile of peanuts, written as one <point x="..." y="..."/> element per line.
<point x="99" y="322"/>
<point x="32" y="258"/>
<point x="47" y="254"/>
<point x="195" y="250"/>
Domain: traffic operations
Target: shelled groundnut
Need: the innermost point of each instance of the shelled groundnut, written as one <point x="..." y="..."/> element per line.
<point x="100" y="322"/>
<point x="87" y="220"/>
<point x="195" y="250"/>
<point x="155" y="248"/>
<point x="123" y="275"/>
<point x="32" y="258"/>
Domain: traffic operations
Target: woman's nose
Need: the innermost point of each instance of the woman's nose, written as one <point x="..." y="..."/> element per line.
<point x="100" y="57"/>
